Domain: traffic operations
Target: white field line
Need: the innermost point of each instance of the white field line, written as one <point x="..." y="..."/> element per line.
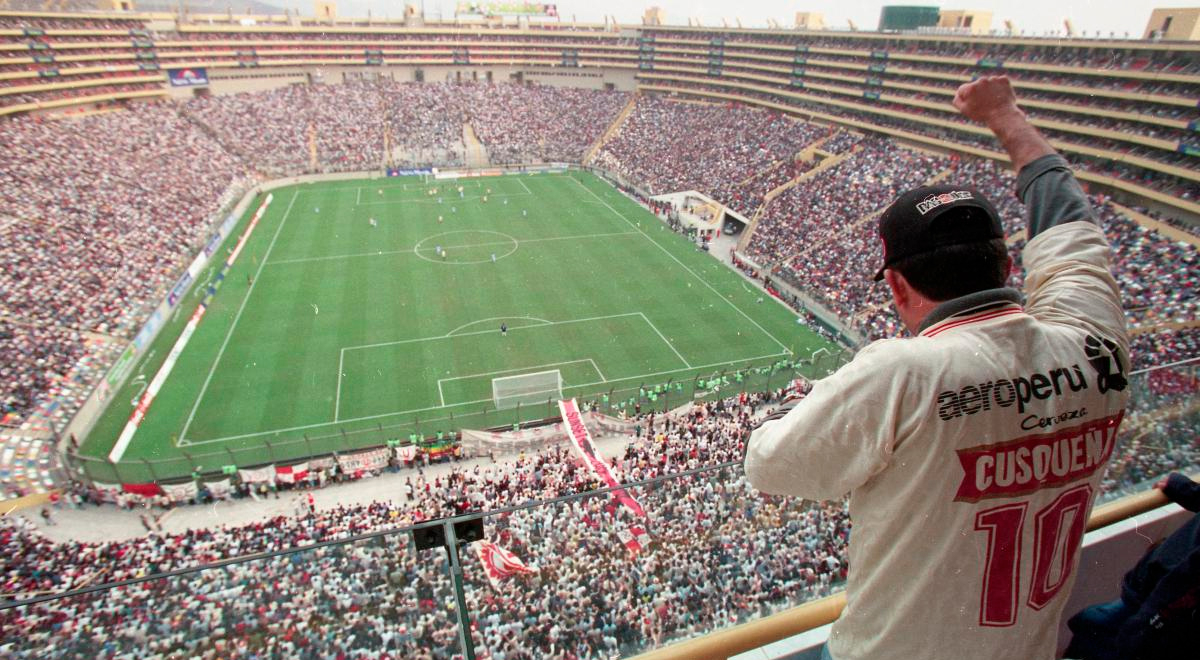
<point x="460" y="200"/>
<point x="358" y="196"/>
<point x="441" y="396"/>
<point x="412" y="250"/>
<point x="337" y="399"/>
<point x="527" y="190"/>
<point x="683" y="266"/>
<point x="601" y="373"/>
<point x="487" y="332"/>
<point x="500" y="318"/>
<point x="236" y="318"/>
<point x="666" y="341"/>
<point x="464" y="403"/>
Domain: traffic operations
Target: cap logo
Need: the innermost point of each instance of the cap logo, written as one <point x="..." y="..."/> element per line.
<point x="933" y="201"/>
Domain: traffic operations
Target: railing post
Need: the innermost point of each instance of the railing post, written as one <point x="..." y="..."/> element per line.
<point x="466" y="643"/>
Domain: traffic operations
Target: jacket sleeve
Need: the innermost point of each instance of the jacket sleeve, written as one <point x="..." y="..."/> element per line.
<point x="837" y="437"/>
<point x="1067" y="260"/>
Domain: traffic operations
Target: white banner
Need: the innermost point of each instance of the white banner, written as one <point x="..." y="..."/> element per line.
<point x="478" y="443"/>
<point x="373" y="459"/>
<point x="320" y="463"/>
<point x="220" y="490"/>
<point x="260" y="475"/>
<point x="180" y="492"/>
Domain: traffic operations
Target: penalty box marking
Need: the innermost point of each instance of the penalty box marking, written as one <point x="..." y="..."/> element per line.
<point x="337" y="404"/>
<point x="442" y="396"/>
<point x="365" y="418"/>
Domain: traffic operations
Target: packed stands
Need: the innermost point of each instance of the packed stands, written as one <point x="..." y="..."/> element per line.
<point x="97" y="230"/>
<point x="525" y="124"/>
<point x="718" y="553"/>
<point x="719" y="150"/>
<point x="699" y="571"/>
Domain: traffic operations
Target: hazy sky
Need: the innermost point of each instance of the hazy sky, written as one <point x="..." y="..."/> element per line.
<point x="1035" y="16"/>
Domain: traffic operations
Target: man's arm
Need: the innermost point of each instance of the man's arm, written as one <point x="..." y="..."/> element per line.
<point x="1067" y="274"/>
<point x="991" y="102"/>
<point x="1044" y="180"/>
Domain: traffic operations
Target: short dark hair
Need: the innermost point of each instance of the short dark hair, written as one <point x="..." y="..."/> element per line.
<point x="950" y="271"/>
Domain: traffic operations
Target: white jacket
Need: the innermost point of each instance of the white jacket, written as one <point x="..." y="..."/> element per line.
<point x="972" y="452"/>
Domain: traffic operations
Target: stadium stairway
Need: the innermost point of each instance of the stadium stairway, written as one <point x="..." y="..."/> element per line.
<point x="476" y="154"/>
<point x="831" y="160"/>
<point x="611" y="130"/>
<point x="216" y="137"/>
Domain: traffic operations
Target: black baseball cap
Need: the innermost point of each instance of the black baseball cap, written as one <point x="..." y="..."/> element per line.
<point x="934" y="216"/>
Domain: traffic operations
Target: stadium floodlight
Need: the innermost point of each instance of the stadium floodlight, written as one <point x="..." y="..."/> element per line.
<point x="525" y="389"/>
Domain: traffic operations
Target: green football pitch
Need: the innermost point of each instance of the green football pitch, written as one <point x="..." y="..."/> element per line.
<point x="333" y="332"/>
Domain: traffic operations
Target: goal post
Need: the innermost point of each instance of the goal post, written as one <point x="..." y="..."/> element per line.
<point x="525" y="389"/>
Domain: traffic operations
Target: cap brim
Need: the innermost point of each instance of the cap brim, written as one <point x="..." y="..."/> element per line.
<point x="879" y="275"/>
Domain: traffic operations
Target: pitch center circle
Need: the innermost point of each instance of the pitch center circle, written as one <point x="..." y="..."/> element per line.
<point x="457" y="249"/>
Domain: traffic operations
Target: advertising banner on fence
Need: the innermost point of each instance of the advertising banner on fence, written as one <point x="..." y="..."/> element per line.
<point x="258" y="475"/>
<point x="396" y="171"/>
<point x="180" y="492"/>
<point x="188" y="77"/>
<point x="179" y="289"/>
<point x="363" y="461"/>
<point x="220" y="490"/>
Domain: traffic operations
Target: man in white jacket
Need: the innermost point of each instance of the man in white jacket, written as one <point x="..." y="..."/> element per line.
<point x="972" y="451"/>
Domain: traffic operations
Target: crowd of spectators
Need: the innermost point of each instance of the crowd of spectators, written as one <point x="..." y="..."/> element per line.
<point x="103" y="212"/>
<point x="820" y="237"/>
<point x="529" y="123"/>
<point x="719" y="150"/>
<point x="717" y="553"/>
<point x="423" y="123"/>
<point x="1113" y="164"/>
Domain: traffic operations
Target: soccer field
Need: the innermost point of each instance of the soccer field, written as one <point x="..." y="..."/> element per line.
<point x="333" y="332"/>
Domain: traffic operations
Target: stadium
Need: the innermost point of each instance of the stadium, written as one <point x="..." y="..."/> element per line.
<point x="444" y="337"/>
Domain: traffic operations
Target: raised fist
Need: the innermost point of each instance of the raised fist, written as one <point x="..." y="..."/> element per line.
<point x="987" y="99"/>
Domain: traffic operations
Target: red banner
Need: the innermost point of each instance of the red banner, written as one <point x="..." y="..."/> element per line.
<point x="498" y="563"/>
<point x="581" y="440"/>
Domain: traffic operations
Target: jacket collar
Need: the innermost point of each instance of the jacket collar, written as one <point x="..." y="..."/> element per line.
<point x="971" y="304"/>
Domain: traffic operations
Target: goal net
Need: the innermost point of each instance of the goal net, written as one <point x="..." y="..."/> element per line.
<point x="509" y="391"/>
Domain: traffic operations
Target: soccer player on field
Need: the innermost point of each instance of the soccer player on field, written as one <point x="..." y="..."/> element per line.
<point x="973" y="450"/>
